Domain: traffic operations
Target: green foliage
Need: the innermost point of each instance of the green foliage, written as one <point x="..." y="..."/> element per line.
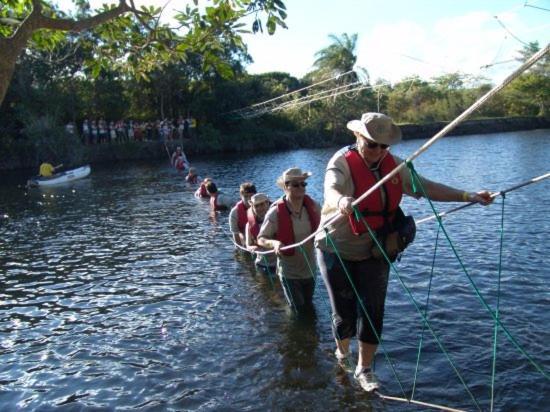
<point x="82" y="77"/>
<point x="337" y="58"/>
<point x="51" y="141"/>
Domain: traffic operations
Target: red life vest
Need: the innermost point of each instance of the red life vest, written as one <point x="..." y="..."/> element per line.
<point x="372" y="208"/>
<point x="253" y="224"/>
<point x="201" y="191"/>
<point x="192" y="179"/>
<point x="285" y="231"/>
<point x="241" y="216"/>
<point x="214" y="203"/>
<point x="180" y="163"/>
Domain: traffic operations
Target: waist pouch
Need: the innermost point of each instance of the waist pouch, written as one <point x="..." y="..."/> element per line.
<point x="395" y="240"/>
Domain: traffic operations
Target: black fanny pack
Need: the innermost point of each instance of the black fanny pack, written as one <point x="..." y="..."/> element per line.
<point x="396" y="238"/>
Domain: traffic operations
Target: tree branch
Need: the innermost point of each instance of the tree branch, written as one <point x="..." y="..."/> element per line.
<point x="8" y="21"/>
<point x="43" y="22"/>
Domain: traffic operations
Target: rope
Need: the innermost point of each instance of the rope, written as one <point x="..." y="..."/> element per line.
<point x="371" y="324"/>
<point x="477" y="291"/>
<point x="429" y="405"/>
<point x="480" y="102"/>
<point x="245" y="109"/>
<point x="495" y="338"/>
<point x="416" y="306"/>
<point x="503" y="192"/>
<point x="425" y="314"/>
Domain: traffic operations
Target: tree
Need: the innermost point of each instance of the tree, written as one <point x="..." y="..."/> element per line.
<point x="128" y="37"/>
<point x="336" y="59"/>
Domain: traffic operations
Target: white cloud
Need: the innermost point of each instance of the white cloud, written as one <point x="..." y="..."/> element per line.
<point x="463" y="43"/>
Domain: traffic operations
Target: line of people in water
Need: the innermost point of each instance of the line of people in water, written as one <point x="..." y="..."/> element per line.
<point x="353" y="269"/>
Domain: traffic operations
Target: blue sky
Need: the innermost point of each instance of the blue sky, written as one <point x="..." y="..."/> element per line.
<point x="400" y="38"/>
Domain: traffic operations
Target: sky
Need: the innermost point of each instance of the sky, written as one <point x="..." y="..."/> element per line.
<point x="401" y="38"/>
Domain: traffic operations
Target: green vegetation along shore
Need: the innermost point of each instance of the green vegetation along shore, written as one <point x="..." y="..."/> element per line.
<point x="22" y="155"/>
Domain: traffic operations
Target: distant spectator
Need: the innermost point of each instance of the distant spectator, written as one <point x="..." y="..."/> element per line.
<point x="85" y="132"/>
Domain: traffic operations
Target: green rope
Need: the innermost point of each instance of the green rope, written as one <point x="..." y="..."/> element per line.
<point x="410" y="166"/>
<point x="266" y="263"/>
<point x="495" y="336"/>
<point x="476" y="289"/>
<point x="285" y="281"/>
<point x="311" y="271"/>
<point x="425" y="313"/>
<point x="424" y="320"/>
<point x="329" y="238"/>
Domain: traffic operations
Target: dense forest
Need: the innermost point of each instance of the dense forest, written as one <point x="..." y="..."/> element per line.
<point x="78" y="76"/>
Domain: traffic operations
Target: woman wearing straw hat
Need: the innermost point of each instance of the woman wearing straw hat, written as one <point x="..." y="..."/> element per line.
<point x="358" y="302"/>
<point x="290" y="220"/>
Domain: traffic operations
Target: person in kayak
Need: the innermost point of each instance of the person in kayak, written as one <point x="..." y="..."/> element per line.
<point x="351" y="172"/>
<point x="48" y="170"/>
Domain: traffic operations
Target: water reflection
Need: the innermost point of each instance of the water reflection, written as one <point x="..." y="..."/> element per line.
<point x="122" y="291"/>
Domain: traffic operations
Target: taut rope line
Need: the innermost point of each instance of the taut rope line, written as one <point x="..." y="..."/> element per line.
<point x="482" y="100"/>
<point x="237" y="111"/>
<point x="502" y="192"/>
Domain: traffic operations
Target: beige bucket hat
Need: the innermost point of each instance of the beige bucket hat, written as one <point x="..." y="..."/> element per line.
<point x="258" y="198"/>
<point x="377" y="127"/>
<point x="294" y="173"/>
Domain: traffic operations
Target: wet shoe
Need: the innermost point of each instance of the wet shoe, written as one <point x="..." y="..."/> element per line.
<point x="344" y="360"/>
<point x="367" y="380"/>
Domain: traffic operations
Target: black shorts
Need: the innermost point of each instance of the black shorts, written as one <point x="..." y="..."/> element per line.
<point x="350" y="307"/>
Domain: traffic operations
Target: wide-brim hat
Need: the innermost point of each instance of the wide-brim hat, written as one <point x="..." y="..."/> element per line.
<point x="258" y="198"/>
<point x="377" y="127"/>
<point x="294" y="173"/>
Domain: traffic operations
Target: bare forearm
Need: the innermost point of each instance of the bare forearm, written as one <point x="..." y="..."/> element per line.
<point x="442" y="193"/>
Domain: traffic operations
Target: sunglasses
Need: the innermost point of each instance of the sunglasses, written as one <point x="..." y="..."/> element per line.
<point x="296" y="184"/>
<point x="374" y="145"/>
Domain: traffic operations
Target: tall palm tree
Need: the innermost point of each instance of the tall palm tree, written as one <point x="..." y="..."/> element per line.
<point x="336" y="59"/>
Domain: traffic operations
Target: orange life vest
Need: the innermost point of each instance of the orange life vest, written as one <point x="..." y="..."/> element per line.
<point x="375" y="212"/>
<point x="285" y="231"/>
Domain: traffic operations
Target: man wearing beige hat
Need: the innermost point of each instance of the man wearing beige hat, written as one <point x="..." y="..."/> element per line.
<point x="350" y="173"/>
<point x="290" y="220"/>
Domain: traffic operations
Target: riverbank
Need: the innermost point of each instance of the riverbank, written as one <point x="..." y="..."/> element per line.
<point x="21" y="154"/>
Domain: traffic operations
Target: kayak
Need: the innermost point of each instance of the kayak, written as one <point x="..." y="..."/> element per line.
<point x="60" y="178"/>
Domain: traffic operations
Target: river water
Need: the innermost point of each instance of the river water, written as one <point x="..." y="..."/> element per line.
<point x="121" y="291"/>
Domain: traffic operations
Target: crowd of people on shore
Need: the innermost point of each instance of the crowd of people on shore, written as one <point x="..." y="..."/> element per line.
<point x="102" y="131"/>
<point x="350" y="261"/>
